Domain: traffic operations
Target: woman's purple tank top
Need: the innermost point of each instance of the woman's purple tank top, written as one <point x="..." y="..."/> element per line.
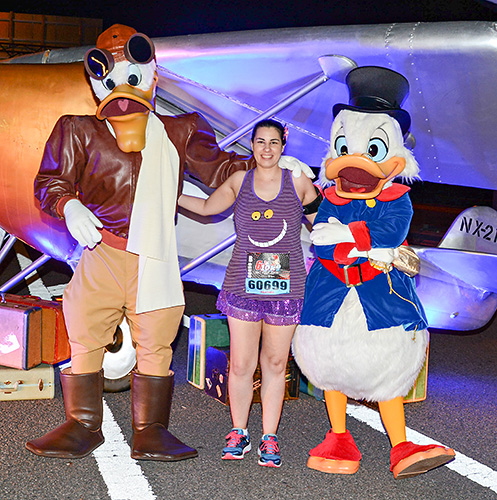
<point x="267" y="261"/>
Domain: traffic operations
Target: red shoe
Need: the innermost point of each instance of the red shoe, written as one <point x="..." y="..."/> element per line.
<point x="337" y="454"/>
<point x="408" y="459"/>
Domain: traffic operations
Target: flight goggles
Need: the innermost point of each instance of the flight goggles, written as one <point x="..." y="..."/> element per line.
<point x="138" y="49"/>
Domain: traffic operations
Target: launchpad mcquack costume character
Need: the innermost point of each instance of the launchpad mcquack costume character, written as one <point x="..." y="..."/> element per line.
<point x="363" y="329"/>
<point x="115" y="178"/>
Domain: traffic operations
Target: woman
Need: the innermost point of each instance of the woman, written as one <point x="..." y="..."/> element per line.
<point x="264" y="285"/>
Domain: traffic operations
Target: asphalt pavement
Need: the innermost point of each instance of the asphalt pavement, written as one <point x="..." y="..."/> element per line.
<point x="460" y="412"/>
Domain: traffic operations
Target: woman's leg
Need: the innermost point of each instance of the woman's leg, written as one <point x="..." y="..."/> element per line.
<point x="276" y="342"/>
<point x="244" y="353"/>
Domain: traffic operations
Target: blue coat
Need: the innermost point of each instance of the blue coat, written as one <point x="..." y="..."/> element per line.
<point x="388" y="223"/>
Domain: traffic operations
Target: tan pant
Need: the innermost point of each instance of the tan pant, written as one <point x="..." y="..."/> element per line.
<point x="100" y="294"/>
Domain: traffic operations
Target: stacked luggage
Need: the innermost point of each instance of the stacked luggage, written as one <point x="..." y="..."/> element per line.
<point x="33" y="338"/>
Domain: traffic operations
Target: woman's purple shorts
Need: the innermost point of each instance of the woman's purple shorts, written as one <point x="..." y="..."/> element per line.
<point x="273" y="312"/>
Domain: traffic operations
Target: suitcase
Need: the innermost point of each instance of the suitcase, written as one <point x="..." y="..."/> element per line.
<point x="216" y="379"/>
<point x="205" y="330"/>
<point x="20" y="335"/>
<point x="307" y="388"/>
<point x="419" y="390"/>
<point x="54" y="340"/>
<point x="36" y="383"/>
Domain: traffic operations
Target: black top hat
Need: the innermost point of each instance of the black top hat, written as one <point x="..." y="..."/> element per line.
<point x="373" y="89"/>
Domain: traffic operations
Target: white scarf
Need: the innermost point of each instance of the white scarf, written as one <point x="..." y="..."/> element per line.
<point x="152" y="234"/>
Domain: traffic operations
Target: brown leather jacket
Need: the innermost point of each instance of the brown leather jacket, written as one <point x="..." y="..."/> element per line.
<point x="82" y="160"/>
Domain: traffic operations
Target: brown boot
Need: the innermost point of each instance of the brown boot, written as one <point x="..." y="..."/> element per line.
<point x="151" y="404"/>
<point x="81" y="433"/>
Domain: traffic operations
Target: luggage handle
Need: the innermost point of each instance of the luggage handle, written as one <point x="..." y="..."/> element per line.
<point x="3" y="300"/>
<point x="9" y="387"/>
<point x="32" y="297"/>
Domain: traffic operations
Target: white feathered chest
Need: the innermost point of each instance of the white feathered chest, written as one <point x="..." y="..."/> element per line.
<point x="381" y="363"/>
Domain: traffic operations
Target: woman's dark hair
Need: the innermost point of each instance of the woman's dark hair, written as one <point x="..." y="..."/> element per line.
<point x="270" y="124"/>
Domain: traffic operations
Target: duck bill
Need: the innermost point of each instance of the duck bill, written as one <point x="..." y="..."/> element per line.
<point x="127" y="109"/>
<point x="358" y="177"/>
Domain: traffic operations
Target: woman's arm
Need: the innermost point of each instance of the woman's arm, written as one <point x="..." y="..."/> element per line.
<point x="306" y="192"/>
<point x="219" y="201"/>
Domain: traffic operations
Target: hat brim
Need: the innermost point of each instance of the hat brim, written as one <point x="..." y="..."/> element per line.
<point x="401" y="115"/>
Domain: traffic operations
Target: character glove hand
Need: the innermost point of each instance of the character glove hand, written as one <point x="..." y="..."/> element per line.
<point x="295" y="166"/>
<point x="82" y="224"/>
<point x="386" y="255"/>
<point x="331" y="233"/>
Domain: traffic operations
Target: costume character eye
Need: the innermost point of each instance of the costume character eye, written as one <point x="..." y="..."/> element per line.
<point x="341" y="145"/>
<point x="256" y="215"/>
<point x="268" y="213"/>
<point x="109" y="84"/>
<point x="134" y="75"/>
<point x="377" y="149"/>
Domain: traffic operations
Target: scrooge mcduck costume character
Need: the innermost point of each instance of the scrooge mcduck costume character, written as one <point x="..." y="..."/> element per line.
<point x="363" y="329"/>
<point x="115" y="178"/>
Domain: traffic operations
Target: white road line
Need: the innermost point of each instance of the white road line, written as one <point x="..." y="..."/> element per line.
<point x="122" y="475"/>
<point x="463" y="465"/>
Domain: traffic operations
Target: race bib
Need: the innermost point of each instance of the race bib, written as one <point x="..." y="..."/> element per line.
<point x="268" y="273"/>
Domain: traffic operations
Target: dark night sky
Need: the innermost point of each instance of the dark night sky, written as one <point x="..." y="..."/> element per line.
<point x="180" y="17"/>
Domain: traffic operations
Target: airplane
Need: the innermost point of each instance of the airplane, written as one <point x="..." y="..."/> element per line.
<point x="296" y="75"/>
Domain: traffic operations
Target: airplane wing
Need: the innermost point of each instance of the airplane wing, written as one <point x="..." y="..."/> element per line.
<point x="231" y="77"/>
<point x="473" y="268"/>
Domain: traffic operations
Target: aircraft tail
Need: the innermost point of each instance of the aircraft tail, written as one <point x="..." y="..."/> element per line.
<point x="474" y="229"/>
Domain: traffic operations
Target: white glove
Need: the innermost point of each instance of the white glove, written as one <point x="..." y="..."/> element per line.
<point x="387" y="255"/>
<point x="82" y="224"/>
<point x="295" y="166"/>
<point x="331" y="233"/>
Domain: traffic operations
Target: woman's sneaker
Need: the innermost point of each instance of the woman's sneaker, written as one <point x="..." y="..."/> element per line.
<point x="237" y="444"/>
<point x="269" y="451"/>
